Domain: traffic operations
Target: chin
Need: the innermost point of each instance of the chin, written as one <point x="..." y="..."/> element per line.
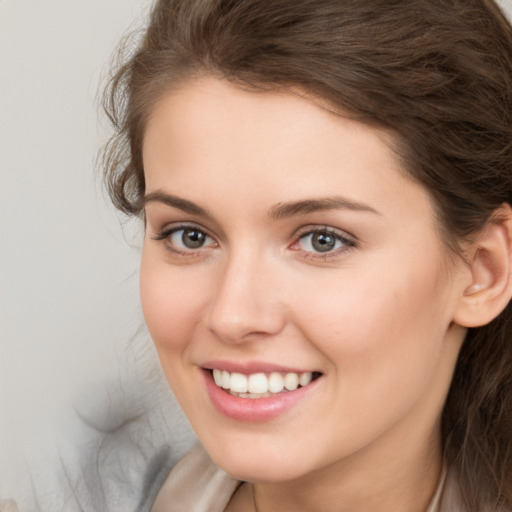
<point x="260" y="472"/>
<point x="254" y="464"/>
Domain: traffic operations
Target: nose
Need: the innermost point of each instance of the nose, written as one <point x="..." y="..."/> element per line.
<point x="246" y="304"/>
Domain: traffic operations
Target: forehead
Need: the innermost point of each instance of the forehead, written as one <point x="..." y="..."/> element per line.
<point x="210" y="136"/>
<point x="205" y="110"/>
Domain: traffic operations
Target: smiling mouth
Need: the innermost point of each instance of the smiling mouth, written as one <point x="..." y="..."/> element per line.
<point x="261" y="385"/>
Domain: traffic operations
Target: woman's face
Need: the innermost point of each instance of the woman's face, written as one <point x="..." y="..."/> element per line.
<point x="284" y="243"/>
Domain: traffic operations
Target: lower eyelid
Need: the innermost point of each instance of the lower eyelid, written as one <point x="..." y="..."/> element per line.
<point x="333" y="255"/>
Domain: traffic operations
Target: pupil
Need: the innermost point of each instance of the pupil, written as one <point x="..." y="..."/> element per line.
<point x="192" y="238"/>
<point x="322" y="242"/>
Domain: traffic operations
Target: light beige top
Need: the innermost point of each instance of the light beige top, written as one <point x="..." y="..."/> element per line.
<point x="8" y="506"/>
<point x="196" y="484"/>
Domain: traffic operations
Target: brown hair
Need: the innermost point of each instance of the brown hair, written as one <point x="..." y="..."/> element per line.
<point x="437" y="73"/>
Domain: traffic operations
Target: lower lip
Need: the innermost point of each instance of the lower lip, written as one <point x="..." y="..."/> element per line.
<point x="254" y="409"/>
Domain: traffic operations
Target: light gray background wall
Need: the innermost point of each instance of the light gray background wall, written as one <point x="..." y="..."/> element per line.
<point x="68" y="280"/>
<point x="69" y="304"/>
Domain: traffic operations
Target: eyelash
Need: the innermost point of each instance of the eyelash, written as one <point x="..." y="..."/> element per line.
<point x="346" y="242"/>
<point x="166" y="233"/>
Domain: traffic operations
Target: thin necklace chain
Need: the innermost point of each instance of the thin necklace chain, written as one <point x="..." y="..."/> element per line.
<point x="254" y="498"/>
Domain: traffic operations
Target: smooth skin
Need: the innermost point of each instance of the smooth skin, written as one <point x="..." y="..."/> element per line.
<point x="232" y="269"/>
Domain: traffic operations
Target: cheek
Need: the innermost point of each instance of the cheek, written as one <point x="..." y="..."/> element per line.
<point x="368" y="322"/>
<point x="170" y="304"/>
<point x="383" y="341"/>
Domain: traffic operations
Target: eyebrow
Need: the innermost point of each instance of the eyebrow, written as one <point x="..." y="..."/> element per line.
<point x="277" y="212"/>
<point x="303" y="207"/>
<point x="176" y="202"/>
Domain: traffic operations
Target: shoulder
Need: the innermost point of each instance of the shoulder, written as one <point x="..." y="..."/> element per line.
<point x="195" y="484"/>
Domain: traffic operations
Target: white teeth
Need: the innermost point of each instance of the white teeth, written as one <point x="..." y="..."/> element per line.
<point x="305" y="378"/>
<point x="275" y="383"/>
<point x="238" y="383"/>
<point x="226" y="379"/>
<point x="252" y="395"/>
<point x="259" y="385"/>
<point x="291" y="381"/>
<point x="217" y="377"/>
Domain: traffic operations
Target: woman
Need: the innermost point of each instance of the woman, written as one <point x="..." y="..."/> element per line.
<point x="325" y="187"/>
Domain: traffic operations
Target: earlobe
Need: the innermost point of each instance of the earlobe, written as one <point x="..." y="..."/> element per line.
<point x="490" y="266"/>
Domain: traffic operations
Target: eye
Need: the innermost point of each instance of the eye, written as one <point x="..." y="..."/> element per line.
<point x="185" y="239"/>
<point x="188" y="238"/>
<point x="322" y="241"/>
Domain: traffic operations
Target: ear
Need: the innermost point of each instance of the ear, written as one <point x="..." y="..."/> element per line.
<point x="490" y="267"/>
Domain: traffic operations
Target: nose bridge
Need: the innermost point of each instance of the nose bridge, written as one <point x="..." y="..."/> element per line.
<point x="245" y="306"/>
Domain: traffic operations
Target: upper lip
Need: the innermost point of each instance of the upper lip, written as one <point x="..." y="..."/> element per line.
<point x="251" y="367"/>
